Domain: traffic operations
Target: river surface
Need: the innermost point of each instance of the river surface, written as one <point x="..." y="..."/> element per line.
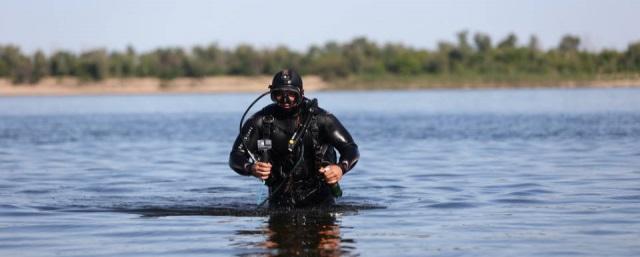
<point x="536" y="172"/>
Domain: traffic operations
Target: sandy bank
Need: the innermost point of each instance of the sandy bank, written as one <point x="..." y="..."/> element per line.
<point x="233" y="84"/>
<point x="125" y="86"/>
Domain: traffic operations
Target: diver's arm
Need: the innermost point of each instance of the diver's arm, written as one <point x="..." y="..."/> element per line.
<point x="239" y="159"/>
<point x="339" y="137"/>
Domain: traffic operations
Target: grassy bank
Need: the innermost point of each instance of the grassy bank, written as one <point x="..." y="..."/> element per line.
<point x="483" y="81"/>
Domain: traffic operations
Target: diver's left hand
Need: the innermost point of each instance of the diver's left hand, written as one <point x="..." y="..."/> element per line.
<point x="332" y="173"/>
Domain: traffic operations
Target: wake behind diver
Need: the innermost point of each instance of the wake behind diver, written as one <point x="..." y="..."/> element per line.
<point x="291" y="145"/>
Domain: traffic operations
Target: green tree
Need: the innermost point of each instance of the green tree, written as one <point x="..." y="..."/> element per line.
<point x="93" y="65"/>
<point x="23" y="71"/>
<point x="608" y="61"/>
<point x="207" y="61"/>
<point x="483" y="42"/>
<point x="463" y="43"/>
<point x="5" y="65"/>
<point x="509" y="42"/>
<point x="359" y="56"/>
<point x="245" y="60"/>
<point x="280" y="58"/>
<point x="15" y="65"/>
<point x="632" y="57"/>
<point x="534" y="44"/>
<point x="537" y="64"/>
<point x="328" y="61"/>
<point x="401" y="60"/>
<point x="40" y="67"/>
<point x="62" y="63"/>
<point x="569" y="43"/>
<point x="123" y="64"/>
<point x="363" y="57"/>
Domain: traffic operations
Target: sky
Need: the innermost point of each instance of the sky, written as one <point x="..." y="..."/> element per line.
<point x="80" y="25"/>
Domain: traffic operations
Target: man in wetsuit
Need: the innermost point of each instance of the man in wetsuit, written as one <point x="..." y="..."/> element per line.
<point x="300" y="169"/>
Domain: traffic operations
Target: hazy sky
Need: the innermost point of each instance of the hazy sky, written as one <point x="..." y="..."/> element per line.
<point x="84" y="24"/>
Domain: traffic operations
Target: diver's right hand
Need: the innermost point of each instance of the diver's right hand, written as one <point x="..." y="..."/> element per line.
<point x="261" y="170"/>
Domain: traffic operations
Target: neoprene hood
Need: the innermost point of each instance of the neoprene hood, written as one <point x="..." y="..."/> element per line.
<point x="286" y="80"/>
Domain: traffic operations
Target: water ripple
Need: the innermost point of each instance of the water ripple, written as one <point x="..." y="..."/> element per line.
<point x="431" y="181"/>
<point x="452" y="205"/>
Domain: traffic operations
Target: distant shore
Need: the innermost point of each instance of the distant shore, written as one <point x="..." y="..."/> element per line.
<point x="238" y="84"/>
<point x="133" y="86"/>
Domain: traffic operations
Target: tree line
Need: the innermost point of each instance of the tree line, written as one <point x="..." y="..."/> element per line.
<point x="476" y="55"/>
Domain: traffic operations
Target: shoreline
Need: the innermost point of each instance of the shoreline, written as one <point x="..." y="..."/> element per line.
<point x="239" y="84"/>
<point x="141" y="86"/>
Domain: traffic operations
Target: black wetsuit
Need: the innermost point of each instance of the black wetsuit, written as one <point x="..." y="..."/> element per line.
<point x="295" y="180"/>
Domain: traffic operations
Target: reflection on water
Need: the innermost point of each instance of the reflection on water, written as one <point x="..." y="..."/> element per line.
<point x="303" y="234"/>
<point x="310" y="232"/>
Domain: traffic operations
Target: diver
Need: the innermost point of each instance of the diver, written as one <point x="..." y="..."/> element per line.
<point x="290" y="145"/>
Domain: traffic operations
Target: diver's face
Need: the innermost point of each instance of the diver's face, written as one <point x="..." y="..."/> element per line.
<point x="286" y="99"/>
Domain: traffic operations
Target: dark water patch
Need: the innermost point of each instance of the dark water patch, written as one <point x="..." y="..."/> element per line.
<point x="27" y="245"/>
<point x="584" y="195"/>
<point x="518" y="185"/>
<point x="626" y="210"/>
<point x="214" y="190"/>
<point x="585" y="212"/>
<point x="23" y="213"/>
<point x="561" y="253"/>
<point x="103" y="189"/>
<point x="8" y="207"/>
<point x="220" y="207"/>
<point x="8" y="186"/>
<point x="167" y="162"/>
<point x="426" y="202"/>
<point x="519" y="201"/>
<point x="603" y="232"/>
<point x="135" y="235"/>
<point x="394" y="187"/>
<point x="126" y="183"/>
<point x="453" y="205"/>
<point x="367" y="187"/>
<point x="190" y="170"/>
<point x="99" y="169"/>
<point x="366" y="199"/>
<point x="81" y="208"/>
<point x="240" y="210"/>
<point x="634" y="198"/>
<point x="435" y="176"/>
<point x="209" y="252"/>
<point x="448" y="189"/>
<point x="46" y="227"/>
<point x="249" y="232"/>
<point x="531" y="192"/>
<point x="607" y="221"/>
<point x="376" y="188"/>
<point x="22" y="238"/>
<point x="36" y="191"/>
<point x="218" y="163"/>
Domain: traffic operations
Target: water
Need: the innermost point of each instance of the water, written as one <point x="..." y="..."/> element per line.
<point x="443" y="173"/>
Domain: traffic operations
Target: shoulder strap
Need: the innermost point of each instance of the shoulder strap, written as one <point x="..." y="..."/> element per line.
<point x="267" y="124"/>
